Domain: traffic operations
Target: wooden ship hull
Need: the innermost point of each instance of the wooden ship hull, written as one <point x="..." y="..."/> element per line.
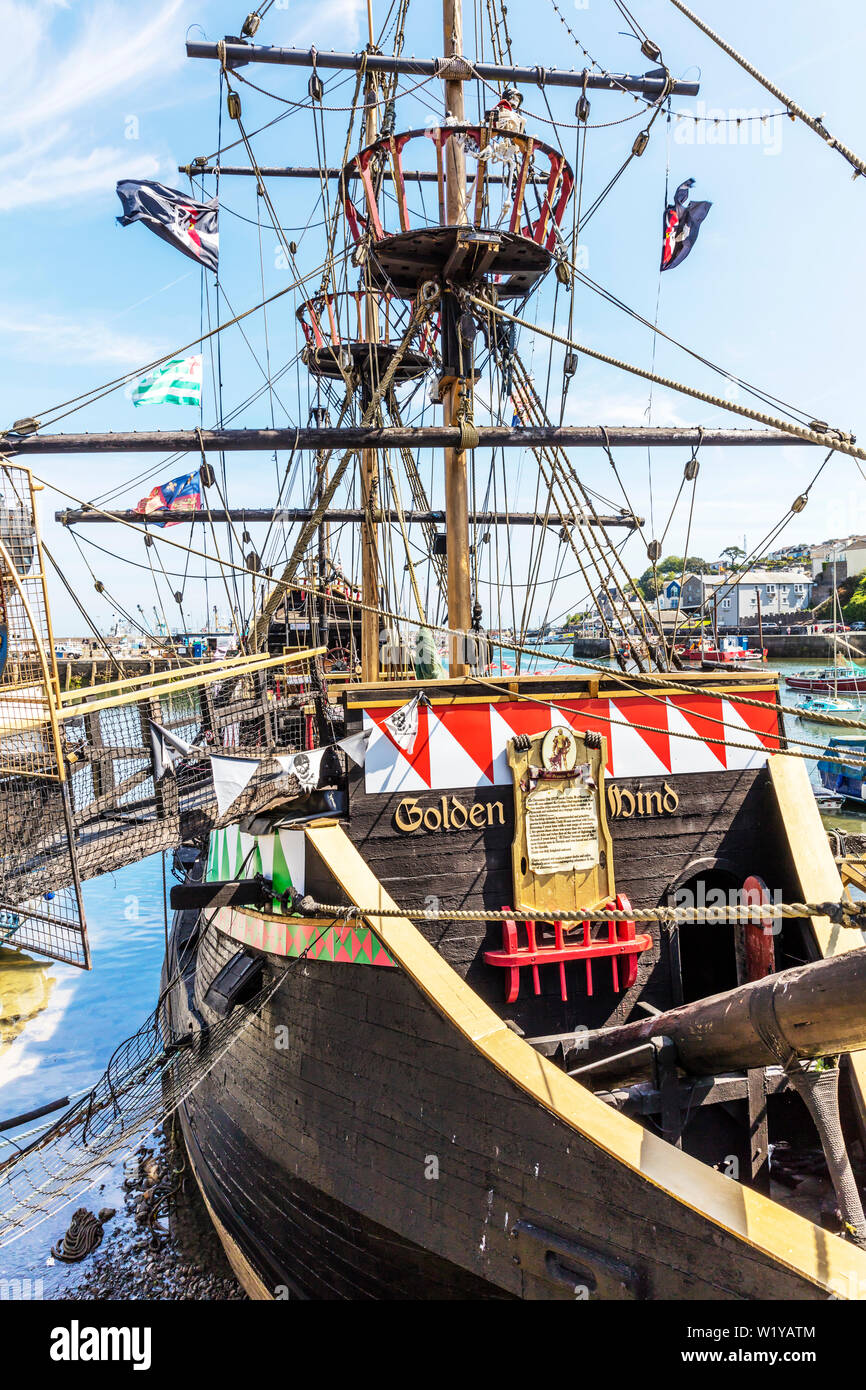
<point x="394" y="1124"/>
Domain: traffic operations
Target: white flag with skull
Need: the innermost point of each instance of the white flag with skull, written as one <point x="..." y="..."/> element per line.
<point x="402" y="725"/>
<point x="306" y="767"/>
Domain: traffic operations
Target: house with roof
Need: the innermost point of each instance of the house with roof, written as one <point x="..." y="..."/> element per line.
<point x="778" y="595"/>
<point x="669" y="594"/>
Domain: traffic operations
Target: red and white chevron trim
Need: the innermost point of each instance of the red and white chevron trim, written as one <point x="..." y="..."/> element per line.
<point x="464" y="745"/>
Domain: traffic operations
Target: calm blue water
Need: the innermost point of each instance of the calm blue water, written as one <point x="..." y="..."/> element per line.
<point x="59" y="1025"/>
<point x="58" y="1028"/>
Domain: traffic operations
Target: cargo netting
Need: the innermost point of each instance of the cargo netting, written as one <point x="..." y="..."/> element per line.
<point x="78" y="794"/>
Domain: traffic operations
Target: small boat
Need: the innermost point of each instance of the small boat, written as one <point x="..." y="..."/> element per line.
<point x="812" y="708"/>
<point x="844" y="680"/>
<point x="838" y="777"/>
<point x="828" y="801"/>
<point x="728" y="651"/>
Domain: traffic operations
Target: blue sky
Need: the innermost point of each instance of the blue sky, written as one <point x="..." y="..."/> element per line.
<point x="100" y="90"/>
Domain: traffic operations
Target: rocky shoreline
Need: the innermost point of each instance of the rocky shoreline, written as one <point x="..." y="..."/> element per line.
<point x="161" y="1244"/>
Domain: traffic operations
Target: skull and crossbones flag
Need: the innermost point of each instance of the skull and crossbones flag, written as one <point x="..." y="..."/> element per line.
<point x="174" y="216"/>
<point x="305" y="766"/>
<point x="402" y="725"/>
<point x="682" y="222"/>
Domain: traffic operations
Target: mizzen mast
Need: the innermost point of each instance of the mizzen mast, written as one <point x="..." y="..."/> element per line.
<point x="369" y="457"/>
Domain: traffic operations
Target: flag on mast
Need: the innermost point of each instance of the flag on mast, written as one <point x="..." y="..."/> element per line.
<point x="176" y="382"/>
<point x="682" y="222"/>
<point x="174" y="216"/>
<point x="181" y="494"/>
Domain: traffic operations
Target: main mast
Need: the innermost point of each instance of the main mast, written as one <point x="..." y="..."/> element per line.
<point x="428" y="263"/>
<point x="456" y="481"/>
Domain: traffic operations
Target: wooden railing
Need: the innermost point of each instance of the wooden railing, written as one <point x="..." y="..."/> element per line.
<point x="525" y="151"/>
<point x="338" y="318"/>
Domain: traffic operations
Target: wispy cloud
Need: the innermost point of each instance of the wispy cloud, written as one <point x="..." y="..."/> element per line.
<point x="112" y="51"/>
<point x="625" y="409"/>
<point x="57" y="82"/>
<point x="64" y="177"/>
<point x="323" y="19"/>
<point x="48" y="337"/>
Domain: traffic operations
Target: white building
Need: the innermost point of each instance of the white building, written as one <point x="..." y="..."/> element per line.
<point x="779" y="596"/>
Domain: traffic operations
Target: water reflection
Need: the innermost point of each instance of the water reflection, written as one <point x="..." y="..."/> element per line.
<point x="60" y="1025"/>
<point x="25" y="989"/>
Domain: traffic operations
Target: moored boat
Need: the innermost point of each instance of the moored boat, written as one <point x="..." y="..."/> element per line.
<point x="728" y="651"/>
<point x="844" y="680"/>
<point x="814" y="707"/>
<point x="838" y="774"/>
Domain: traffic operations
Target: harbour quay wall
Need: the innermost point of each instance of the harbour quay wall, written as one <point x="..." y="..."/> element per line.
<point x="97" y="670"/>
<point x="780" y="646"/>
<point x="592" y="647"/>
<point x="818" y="645"/>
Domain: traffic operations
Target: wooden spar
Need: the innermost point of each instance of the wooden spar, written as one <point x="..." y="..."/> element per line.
<point x="456" y="480"/>
<point x="369" y="458"/>
<point x="199" y="677"/>
<point x="234" y="666"/>
<point x="335" y="515"/>
<point x="815" y="1010"/>
<point x="817" y="881"/>
<point x="237" y="54"/>
<point x="389" y="437"/>
<point x="309" y="171"/>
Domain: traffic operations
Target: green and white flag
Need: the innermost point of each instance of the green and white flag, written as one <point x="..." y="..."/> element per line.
<point x="177" y="382"/>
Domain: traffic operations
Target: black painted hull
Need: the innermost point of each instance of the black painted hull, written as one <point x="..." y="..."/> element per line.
<point x="383" y="1150"/>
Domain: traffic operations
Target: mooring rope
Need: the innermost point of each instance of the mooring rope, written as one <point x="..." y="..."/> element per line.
<point x="844" y="914"/>
<point x="84" y="1234"/>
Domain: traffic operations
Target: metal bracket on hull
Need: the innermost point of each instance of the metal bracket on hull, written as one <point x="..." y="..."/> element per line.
<point x="233" y="892"/>
<point x="573" y="1270"/>
<point x="239" y="979"/>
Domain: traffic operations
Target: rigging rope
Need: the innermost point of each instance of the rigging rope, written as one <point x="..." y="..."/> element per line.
<point x="837" y="440"/>
<point x="427" y="298"/>
<point x="815" y="123"/>
<point x="842" y="913"/>
<point x="666" y="682"/>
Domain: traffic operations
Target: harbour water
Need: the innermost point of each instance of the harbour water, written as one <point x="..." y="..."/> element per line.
<point x="60" y="1025"/>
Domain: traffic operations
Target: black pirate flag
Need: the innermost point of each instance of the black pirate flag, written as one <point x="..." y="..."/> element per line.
<point x="682" y="222"/>
<point x="177" y="218"/>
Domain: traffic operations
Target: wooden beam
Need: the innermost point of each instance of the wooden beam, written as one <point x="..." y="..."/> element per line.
<point x="389" y="437"/>
<point x="299" y="171"/>
<point x="818" y="1010"/>
<point x="237" y="54"/>
<point x="456" y="479"/>
<point x="199" y="678"/>
<point x="288" y="515"/>
<point x="819" y="881"/>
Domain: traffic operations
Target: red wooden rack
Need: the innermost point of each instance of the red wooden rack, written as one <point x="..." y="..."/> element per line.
<point x="622" y="946"/>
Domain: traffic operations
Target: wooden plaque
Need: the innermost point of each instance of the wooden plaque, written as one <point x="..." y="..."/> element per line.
<point x="561" y="853"/>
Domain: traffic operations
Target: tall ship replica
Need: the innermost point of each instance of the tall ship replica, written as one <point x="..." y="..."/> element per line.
<point x="490" y="975"/>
